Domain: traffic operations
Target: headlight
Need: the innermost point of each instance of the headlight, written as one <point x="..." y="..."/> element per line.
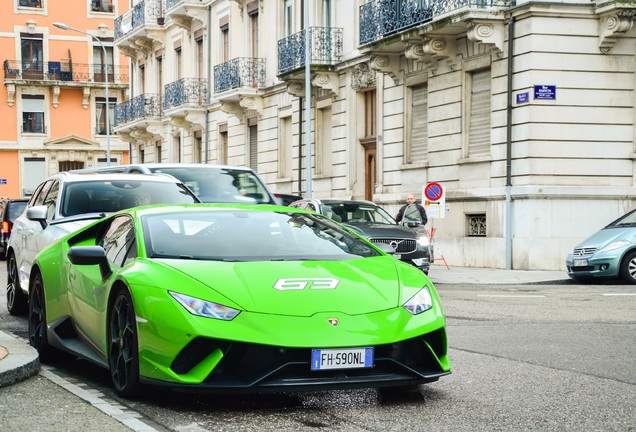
<point x="420" y="302"/>
<point x="205" y="308"/>
<point x="615" y="245"/>
<point x="423" y="241"/>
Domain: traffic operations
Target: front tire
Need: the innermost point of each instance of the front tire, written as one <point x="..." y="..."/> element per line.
<point x="17" y="301"/>
<point x="628" y="268"/>
<point x="38" y="337"/>
<point x="123" y="355"/>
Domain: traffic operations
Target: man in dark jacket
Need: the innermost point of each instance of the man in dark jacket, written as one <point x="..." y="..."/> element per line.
<point x="411" y="212"/>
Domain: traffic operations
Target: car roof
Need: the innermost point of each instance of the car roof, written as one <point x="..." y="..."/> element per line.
<point x="97" y="176"/>
<point x="330" y="201"/>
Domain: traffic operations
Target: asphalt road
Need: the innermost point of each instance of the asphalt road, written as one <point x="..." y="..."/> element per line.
<point x="524" y="357"/>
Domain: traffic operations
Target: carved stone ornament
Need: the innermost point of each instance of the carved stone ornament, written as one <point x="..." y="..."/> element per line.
<point x="487" y="32"/>
<point x="362" y="77"/>
<point x="56" y="96"/>
<point x="10" y="94"/>
<point x="86" y="93"/>
<point x="329" y="81"/>
<point x="612" y="27"/>
<point x="231" y="108"/>
<point x="253" y="103"/>
<point x="296" y="88"/>
<point x="388" y="64"/>
<point x="31" y="26"/>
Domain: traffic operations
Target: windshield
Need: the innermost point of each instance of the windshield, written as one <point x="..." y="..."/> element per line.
<point x="250" y="236"/>
<point x="221" y="185"/>
<point x="110" y="196"/>
<point x="16" y="208"/>
<point x="356" y="213"/>
<point x="625" y="220"/>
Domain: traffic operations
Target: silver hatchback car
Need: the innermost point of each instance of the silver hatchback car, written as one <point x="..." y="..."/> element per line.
<point x="66" y="202"/>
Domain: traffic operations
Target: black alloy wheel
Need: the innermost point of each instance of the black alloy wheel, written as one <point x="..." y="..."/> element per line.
<point x="123" y="356"/>
<point x="37" y="320"/>
<point x="17" y="302"/>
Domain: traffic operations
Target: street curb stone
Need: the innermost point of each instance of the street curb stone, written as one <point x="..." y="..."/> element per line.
<point x="21" y="362"/>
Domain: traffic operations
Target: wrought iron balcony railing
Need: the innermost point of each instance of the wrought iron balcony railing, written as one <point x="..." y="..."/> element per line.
<point x="146" y="106"/>
<point x="146" y="12"/>
<point x="381" y="18"/>
<point x="186" y="91"/>
<point x="64" y="71"/>
<point x="239" y="72"/>
<point x="325" y="45"/>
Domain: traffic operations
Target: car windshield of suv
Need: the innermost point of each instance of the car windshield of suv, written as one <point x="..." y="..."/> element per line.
<point x="357" y="213"/>
<point x="250" y="236"/>
<point x="114" y="195"/>
<point x="221" y="184"/>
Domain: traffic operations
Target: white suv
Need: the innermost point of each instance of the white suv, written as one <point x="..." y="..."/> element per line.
<point x="211" y="183"/>
<point x="66" y="202"/>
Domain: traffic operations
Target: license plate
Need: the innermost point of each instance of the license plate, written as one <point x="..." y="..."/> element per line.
<point x="341" y="358"/>
<point x="398" y="256"/>
<point x="580" y="263"/>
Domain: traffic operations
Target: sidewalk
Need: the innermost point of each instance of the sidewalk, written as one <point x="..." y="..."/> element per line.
<point x="19" y="361"/>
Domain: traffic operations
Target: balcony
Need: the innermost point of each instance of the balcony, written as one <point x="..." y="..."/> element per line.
<point x="325" y="46"/>
<point x="183" y="12"/>
<point x="139" y="117"/>
<point x="381" y="19"/>
<point x="184" y="102"/>
<point x="236" y="84"/>
<point x="140" y="26"/>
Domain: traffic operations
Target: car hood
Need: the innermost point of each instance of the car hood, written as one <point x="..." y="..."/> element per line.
<point x="375" y="230"/>
<point x="608" y="235"/>
<point x="300" y="288"/>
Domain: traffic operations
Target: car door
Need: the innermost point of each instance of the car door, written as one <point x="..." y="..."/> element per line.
<point x="22" y="236"/>
<point x="89" y="291"/>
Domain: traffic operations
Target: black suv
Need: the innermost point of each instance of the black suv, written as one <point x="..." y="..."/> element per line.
<point x="411" y="244"/>
<point x="10" y="209"/>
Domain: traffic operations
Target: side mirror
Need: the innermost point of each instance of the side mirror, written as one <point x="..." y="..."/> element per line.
<point x="413" y="224"/>
<point x="90" y="255"/>
<point x="38" y="213"/>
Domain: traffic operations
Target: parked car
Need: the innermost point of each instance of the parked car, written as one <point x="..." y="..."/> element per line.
<point x="235" y="298"/>
<point x="609" y="253"/>
<point x="10" y="209"/>
<point x="211" y="183"/>
<point x="65" y="202"/>
<point x="411" y="243"/>
<point x="287" y="199"/>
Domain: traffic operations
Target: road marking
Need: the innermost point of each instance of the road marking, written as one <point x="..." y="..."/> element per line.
<point x="618" y="294"/>
<point x="511" y="295"/>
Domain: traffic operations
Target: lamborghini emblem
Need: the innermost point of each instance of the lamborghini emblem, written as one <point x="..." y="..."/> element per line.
<point x="333" y="321"/>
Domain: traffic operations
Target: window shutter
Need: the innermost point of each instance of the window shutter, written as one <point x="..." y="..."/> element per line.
<point x="419" y="123"/>
<point x="254" y="147"/>
<point x="479" y="126"/>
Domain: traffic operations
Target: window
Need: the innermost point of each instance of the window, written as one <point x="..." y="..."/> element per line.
<point x="253" y="150"/>
<point x="177" y="63"/>
<point x="197" y="145"/>
<point x="33" y="114"/>
<point x="102" y="6"/>
<point x="160" y="75"/>
<point x="142" y="155"/>
<point x="289" y="17"/>
<point x="222" y="150"/>
<point x="254" y="33"/>
<point x="36" y="167"/>
<point x="142" y="79"/>
<point x="31" y="3"/>
<point x="323" y="141"/>
<point x="285" y="147"/>
<point x="370" y="113"/>
<point x="119" y="241"/>
<point x="476" y="225"/>
<point x="100" y="114"/>
<point x="101" y="162"/>
<point x="479" y="112"/>
<point x="51" y="200"/>
<point x="200" y="64"/>
<point x="158" y="151"/>
<point x="417" y="151"/>
<point x="177" y="147"/>
<point x="103" y="63"/>
<point x="225" y="43"/>
<point x="70" y="165"/>
<point x="32" y="56"/>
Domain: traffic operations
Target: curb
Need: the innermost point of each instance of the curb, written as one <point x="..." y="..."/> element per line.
<point x="21" y="362"/>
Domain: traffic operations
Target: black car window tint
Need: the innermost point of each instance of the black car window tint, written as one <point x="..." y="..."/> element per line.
<point x="40" y="194"/>
<point x="15" y="209"/>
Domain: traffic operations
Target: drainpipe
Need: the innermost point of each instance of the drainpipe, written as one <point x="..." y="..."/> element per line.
<point x="511" y="38"/>
<point x="209" y="101"/>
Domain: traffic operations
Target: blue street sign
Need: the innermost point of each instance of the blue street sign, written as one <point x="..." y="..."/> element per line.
<point x="545" y="92"/>
<point x="523" y="97"/>
<point x="3" y="181"/>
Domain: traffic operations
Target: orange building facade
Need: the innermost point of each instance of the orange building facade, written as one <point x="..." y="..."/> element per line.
<point x="53" y="102"/>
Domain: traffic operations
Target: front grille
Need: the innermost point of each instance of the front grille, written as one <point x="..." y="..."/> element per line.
<point x="402" y="246"/>
<point x="583" y="252"/>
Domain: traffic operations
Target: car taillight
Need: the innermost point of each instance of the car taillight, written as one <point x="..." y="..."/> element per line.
<point x="5" y="227"/>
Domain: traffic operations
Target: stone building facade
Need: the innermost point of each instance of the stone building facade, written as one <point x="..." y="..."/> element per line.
<point x="523" y="112"/>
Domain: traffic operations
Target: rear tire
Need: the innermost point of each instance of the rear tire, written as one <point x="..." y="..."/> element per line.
<point x="123" y="351"/>
<point x="17" y="301"/>
<point x="628" y="268"/>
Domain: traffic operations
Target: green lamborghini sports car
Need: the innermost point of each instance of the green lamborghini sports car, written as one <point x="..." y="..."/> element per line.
<point x="238" y="298"/>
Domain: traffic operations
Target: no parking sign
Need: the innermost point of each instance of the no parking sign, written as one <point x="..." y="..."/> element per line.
<point x="434" y="200"/>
